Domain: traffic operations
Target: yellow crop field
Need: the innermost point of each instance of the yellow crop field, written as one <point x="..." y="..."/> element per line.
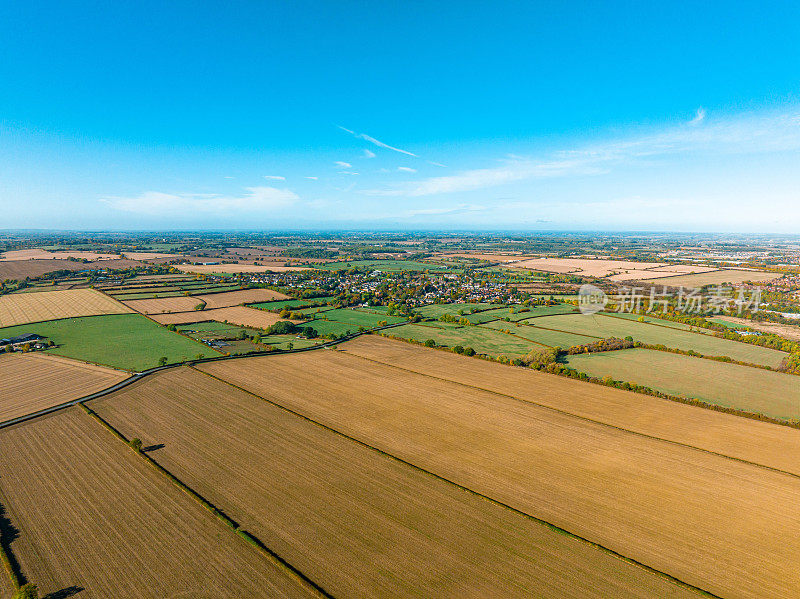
<point x="22" y="308"/>
<point x="728" y="527"/>
<point x="34" y="381"/>
<point x="163" y="305"/>
<point x="241" y="315"/>
<point x="241" y="296"/>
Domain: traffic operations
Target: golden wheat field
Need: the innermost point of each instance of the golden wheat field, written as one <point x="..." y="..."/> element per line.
<point x="241" y="315"/>
<point x="163" y="305"/>
<point x="242" y="296"/>
<point x="22" y="308"/>
<point x="728" y="527"/>
<point x="357" y="522"/>
<point x="33" y="381"/>
<point x="95" y="519"/>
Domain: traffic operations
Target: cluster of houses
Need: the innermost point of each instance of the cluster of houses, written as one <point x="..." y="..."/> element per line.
<point x="29" y="341"/>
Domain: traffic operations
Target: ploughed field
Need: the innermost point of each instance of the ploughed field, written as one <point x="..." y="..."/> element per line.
<point x="34" y="381"/>
<point x="773" y="394"/>
<point x="355" y="521"/>
<point x="95" y="520"/>
<point x="22" y="308"/>
<point x="725" y="525"/>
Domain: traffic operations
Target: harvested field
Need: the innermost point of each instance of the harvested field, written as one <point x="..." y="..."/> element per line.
<point x="145" y="256"/>
<point x="488" y="257"/>
<point x="645" y="498"/>
<point x="742" y="438"/>
<point x="787" y="331"/>
<point x="355" y="521"/>
<point x="601" y="325"/>
<point x="774" y="394"/>
<point x="22" y="308"/>
<point x="35" y="381"/>
<point x="19" y="269"/>
<point x="615" y="270"/>
<point x="243" y="296"/>
<point x="39" y="254"/>
<point x="127" y="341"/>
<point x="717" y="277"/>
<point x="94" y="516"/>
<point x="249" y="317"/>
<point x="233" y="268"/>
<point x="164" y="305"/>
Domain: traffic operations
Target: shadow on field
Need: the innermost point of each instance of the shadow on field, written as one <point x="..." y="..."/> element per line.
<point x="8" y="534"/>
<point x="64" y="593"/>
<point x="153" y="447"/>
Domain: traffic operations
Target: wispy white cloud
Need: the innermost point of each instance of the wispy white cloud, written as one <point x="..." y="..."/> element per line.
<point x="347" y="173"/>
<point x="369" y="154"/>
<point x="699" y="116"/>
<point x="376" y="142"/>
<point x="312" y="178"/>
<point x="743" y="134"/>
<point x="406" y="169"/>
<point x="341" y="164"/>
<point x="155" y="203"/>
<point x="228" y="177"/>
<point x="275" y="177"/>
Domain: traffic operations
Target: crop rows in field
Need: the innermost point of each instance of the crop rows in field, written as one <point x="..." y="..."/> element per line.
<point x="21" y="308"/>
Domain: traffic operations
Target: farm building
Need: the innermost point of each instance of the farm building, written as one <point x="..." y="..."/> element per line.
<point x="20" y="340"/>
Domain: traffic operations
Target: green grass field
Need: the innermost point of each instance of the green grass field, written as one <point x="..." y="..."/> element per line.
<point x="382" y="265"/>
<point x="660" y="321"/>
<point x="539" y="335"/>
<point x="291" y="303"/>
<point x="773" y="394"/>
<point x="355" y="318"/>
<point x="726" y="324"/>
<point x="326" y="327"/>
<point x="601" y="326"/>
<point x="126" y="341"/>
<point x="437" y="310"/>
<point x="482" y="340"/>
<point x="518" y="314"/>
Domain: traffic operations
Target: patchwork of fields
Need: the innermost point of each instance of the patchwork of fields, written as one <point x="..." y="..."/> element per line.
<point x="126" y="341"/>
<point x="773" y="394"/>
<point x="643" y="497"/>
<point x="95" y="520"/>
<point x="23" y="308"/>
<point x="359" y="523"/>
<point x="242" y="315"/>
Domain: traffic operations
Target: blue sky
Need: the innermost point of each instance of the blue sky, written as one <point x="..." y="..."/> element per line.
<point x="393" y="115"/>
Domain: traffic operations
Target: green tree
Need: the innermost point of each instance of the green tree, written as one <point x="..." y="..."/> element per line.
<point x="136" y="444"/>
<point x="27" y="591"/>
<point x="162" y="361"/>
<point x="430" y="343"/>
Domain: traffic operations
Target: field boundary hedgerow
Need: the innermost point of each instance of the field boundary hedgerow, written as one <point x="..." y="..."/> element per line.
<point x="10" y="564"/>
<point x="549" y="525"/>
<point x="246" y="536"/>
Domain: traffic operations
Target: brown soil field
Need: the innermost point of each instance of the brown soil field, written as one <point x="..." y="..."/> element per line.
<point x="357" y="522"/>
<point x="728" y="527"/>
<point x="93" y="515"/>
<point x="787" y="331"/>
<point x="39" y="254"/>
<point x="742" y="438"/>
<point x="22" y="308"/>
<point x="180" y="303"/>
<point x="244" y="296"/>
<point x="33" y="381"/>
<point x="19" y="269"/>
<point x="242" y="315"/>
<point x="233" y="268"/>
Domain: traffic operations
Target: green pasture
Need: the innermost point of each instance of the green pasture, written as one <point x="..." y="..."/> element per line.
<point x="482" y="340"/>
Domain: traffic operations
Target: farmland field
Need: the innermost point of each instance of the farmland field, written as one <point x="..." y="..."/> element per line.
<point x="19" y="269"/>
<point x="600" y="325"/>
<point x="382" y="265"/>
<point x="243" y="296"/>
<point x="356" y="318"/>
<point x="234" y="268"/>
<point x="482" y="340"/>
<point x="519" y="314"/>
<point x="355" y="521"/>
<point x="290" y="303"/>
<point x="35" y="381"/>
<point x="743" y="438"/>
<point x="93" y="516"/>
<point x="437" y="310"/>
<point x="643" y="497"/>
<point x="242" y="315"/>
<point x="126" y="341"/>
<point x="540" y="335"/>
<point x="716" y="277"/>
<point x="164" y="305"/>
<point x="48" y="305"/>
<point x="773" y="394"/>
